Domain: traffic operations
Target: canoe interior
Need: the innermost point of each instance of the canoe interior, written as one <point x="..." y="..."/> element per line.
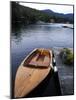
<point x="39" y="58"/>
<point x="27" y="78"/>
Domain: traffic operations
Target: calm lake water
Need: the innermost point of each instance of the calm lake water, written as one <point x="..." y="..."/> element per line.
<point x="25" y="38"/>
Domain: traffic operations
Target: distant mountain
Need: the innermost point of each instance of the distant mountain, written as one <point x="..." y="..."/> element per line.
<point x="68" y="17"/>
<point x="48" y="11"/>
<point x="22" y="14"/>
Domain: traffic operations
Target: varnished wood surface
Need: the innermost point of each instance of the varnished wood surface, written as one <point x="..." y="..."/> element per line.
<point x="27" y="78"/>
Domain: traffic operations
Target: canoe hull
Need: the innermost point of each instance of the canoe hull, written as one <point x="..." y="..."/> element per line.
<point x="27" y="78"/>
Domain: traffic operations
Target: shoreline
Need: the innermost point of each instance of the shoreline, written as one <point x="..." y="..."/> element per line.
<point x="66" y="74"/>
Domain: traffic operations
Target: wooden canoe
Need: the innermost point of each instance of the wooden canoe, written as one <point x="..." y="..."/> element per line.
<point x="34" y="68"/>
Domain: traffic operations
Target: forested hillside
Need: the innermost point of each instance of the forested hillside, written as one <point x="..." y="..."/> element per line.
<point x="60" y="17"/>
<point x="22" y="14"/>
<point x="26" y="14"/>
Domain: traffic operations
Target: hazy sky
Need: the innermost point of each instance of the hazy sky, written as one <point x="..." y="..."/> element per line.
<point x="56" y="8"/>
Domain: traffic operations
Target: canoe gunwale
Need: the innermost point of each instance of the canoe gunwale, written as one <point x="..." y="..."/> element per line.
<point x="44" y="70"/>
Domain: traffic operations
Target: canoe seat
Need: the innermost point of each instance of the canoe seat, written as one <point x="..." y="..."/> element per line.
<point x="40" y="61"/>
<point x="40" y="58"/>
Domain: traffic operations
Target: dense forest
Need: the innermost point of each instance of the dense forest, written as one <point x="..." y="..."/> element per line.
<point x="60" y="17"/>
<point x="22" y="14"/>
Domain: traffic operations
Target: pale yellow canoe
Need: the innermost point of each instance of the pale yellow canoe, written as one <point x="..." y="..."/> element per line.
<point x="34" y="69"/>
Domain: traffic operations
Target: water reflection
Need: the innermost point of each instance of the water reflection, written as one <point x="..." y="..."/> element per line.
<point x="25" y="38"/>
<point x="43" y="34"/>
